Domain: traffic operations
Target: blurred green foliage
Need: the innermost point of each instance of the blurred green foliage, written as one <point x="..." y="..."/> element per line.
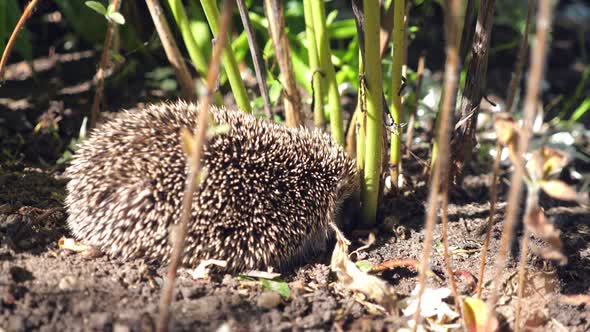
<point x="9" y="15"/>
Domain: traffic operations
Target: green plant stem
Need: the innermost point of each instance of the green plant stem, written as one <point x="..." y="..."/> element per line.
<point x="314" y="65"/>
<point x="323" y="48"/>
<point x="228" y="59"/>
<point x="374" y="114"/>
<point x="192" y="47"/>
<point x="396" y="76"/>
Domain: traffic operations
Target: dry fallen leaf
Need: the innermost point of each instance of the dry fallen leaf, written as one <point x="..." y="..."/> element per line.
<point x="559" y="189"/>
<point x="432" y="306"/>
<point x="537" y="223"/>
<point x="261" y="274"/>
<point x="506" y="128"/>
<point x="202" y="270"/>
<point x="553" y="160"/>
<point x="355" y="280"/>
<point x="475" y="315"/>
<point x="73" y="245"/>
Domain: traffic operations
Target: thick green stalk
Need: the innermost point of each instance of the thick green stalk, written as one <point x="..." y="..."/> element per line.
<point x="314" y="64"/>
<point x="228" y="59"/>
<point x="399" y="36"/>
<point x="374" y="116"/>
<point x="323" y="47"/>
<point x="192" y="47"/>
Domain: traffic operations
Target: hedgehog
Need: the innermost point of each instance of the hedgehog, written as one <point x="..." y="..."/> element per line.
<point x="267" y="198"/>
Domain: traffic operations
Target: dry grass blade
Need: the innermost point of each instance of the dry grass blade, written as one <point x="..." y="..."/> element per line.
<point x="531" y="100"/>
<point x="452" y="16"/>
<point x="19" y="25"/>
<point x="194" y="170"/>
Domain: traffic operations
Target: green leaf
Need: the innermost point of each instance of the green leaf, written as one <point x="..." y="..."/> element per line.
<point x="364" y="266"/>
<point x="117" y="18"/>
<point x="580" y="110"/>
<point x="342" y="29"/>
<point x="23" y="44"/>
<point x="243" y="278"/>
<point x="331" y="17"/>
<point x="275" y="92"/>
<point x="218" y="129"/>
<point x="278" y="286"/>
<point x="96" y="6"/>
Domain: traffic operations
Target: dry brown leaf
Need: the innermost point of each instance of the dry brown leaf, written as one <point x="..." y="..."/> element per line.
<point x="553" y="160"/>
<point x="73" y="245"/>
<point x="261" y="274"/>
<point x="475" y="315"/>
<point x="355" y="280"/>
<point x="202" y="270"/>
<point x="559" y="189"/>
<point x="537" y="223"/>
<point x="506" y="128"/>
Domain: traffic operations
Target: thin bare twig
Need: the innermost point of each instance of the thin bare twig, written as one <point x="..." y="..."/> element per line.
<point x="104" y="63"/>
<point x="351" y="133"/>
<point x="520" y="57"/>
<point x="194" y="170"/>
<point x="412" y="120"/>
<point x="172" y="52"/>
<point x="532" y="94"/>
<point x="524" y="250"/>
<point x="496" y="168"/>
<point x="445" y="238"/>
<point x="493" y="199"/>
<point x="259" y="67"/>
<point x="452" y="16"/>
<point x="292" y="99"/>
<point x="19" y="25"/>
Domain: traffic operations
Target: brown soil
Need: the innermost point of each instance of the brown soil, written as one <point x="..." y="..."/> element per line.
<point x="45" y="288"/>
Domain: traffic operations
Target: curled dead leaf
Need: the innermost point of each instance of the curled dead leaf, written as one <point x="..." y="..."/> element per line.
<point x="73" y="245"/>
<point x="537" y="224"/>
<point x="202" y="270"/>
<point x="559" y="189"/>
<point x="553" y="160"/>
<point x="506" y="128"/>
<point x="355" y="280"/>
<point x="476" y="316"/>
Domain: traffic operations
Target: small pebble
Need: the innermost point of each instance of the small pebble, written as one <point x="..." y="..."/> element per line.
<point x="268" y="300"/>
<point x="67" y="282"/>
